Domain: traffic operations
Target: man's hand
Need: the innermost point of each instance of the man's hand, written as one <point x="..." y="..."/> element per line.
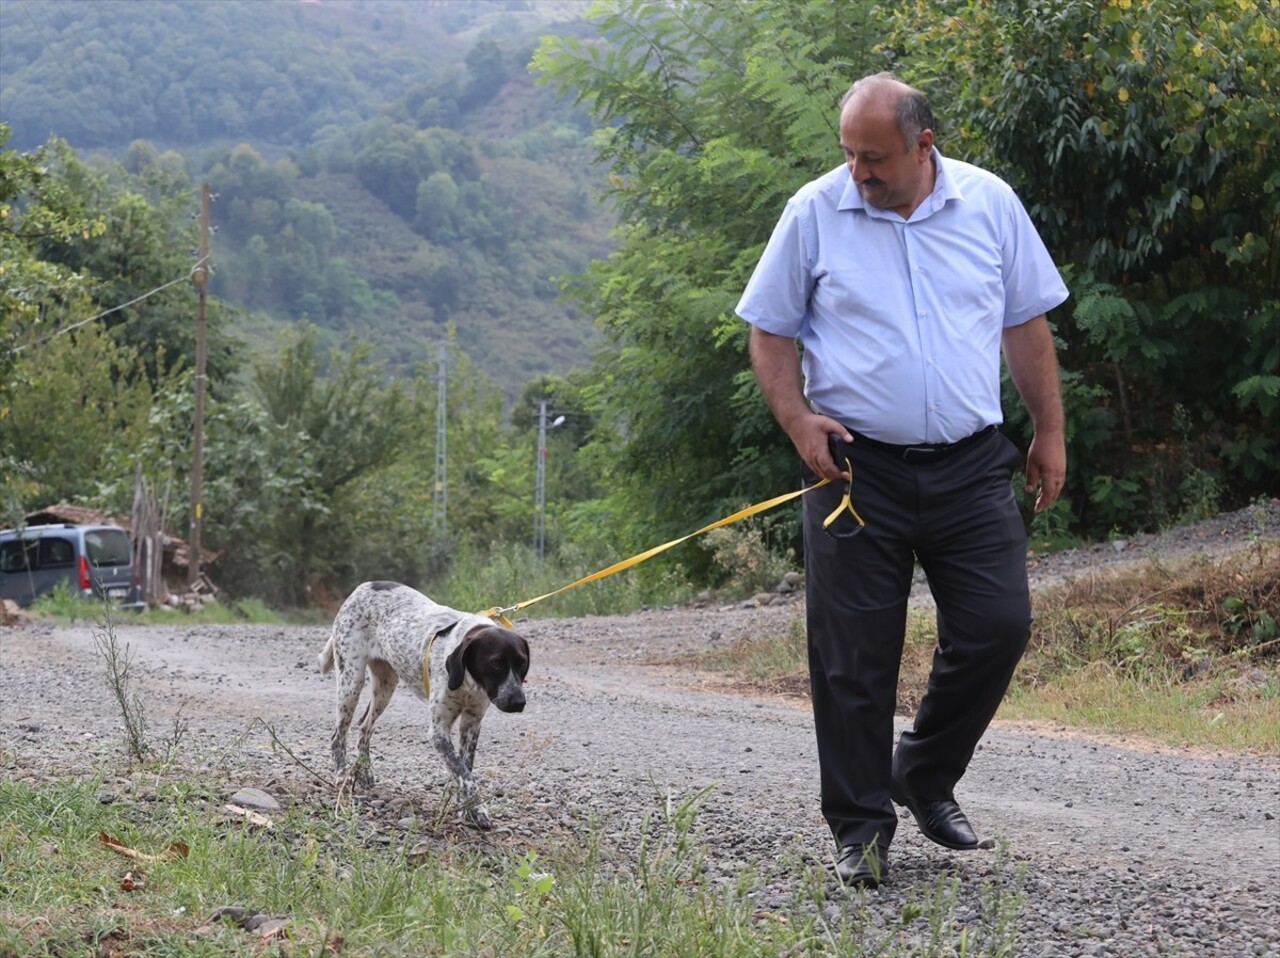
<point x="809" y="434"/>
<point x="1046" y="468"/>
<point x="777" y="366"/>
<point x="1033" y="366"/>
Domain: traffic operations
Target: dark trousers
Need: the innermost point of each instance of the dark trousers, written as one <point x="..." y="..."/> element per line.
<point x="957" y="516"/>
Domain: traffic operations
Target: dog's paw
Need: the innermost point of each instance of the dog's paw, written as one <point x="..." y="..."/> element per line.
<point x="479" y="816"/>
<point x="362" y="774"/>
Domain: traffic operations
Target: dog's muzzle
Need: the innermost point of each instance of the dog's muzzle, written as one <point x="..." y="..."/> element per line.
<point x="510" y="697"/>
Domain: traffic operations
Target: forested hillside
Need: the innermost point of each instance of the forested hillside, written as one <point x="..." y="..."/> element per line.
<point x="385" y="170"/>
<point x="435" y="190"/>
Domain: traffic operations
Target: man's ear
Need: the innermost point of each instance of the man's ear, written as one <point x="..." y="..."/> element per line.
<point x="456" y="665"/>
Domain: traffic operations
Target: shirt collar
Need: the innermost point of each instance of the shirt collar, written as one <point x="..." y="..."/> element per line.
<point x="944" y="188"/>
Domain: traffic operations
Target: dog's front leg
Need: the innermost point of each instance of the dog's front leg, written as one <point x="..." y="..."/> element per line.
<point x="468" y="739"/>
<point x="467" y="784"/>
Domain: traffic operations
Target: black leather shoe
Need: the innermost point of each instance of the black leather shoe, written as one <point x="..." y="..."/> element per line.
<point x="941" y="822"/>
<point x="863" y="866"/>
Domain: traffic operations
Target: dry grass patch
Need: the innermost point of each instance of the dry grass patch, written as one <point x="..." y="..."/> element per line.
<point x="1158" y="616"/>
<point x="778" y="664"/>
<point x="1185" y="655"/>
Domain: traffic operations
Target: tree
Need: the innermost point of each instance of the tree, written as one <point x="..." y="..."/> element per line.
<point x="336" y="427"/>
<point x="487" y="69"/>
<point x="436" y="207"/>
<point x="715" y="112"/>
<point x="1145" y="141"/>
<point x="83" y="400"/>
<point x="39" y="208"/>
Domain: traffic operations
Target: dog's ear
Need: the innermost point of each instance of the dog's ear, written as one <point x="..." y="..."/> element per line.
<point x="456" y="664"/>
<point x="523" y="646"/>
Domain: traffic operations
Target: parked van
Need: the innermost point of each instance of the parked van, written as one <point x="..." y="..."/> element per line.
<point x="96" y="560"/>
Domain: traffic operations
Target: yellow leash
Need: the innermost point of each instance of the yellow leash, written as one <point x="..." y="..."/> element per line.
<point x="500" y="614"/>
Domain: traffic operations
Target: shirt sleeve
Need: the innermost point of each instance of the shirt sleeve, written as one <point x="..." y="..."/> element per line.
<point x="1032" y="283"/>
<point x="776" y="298"/>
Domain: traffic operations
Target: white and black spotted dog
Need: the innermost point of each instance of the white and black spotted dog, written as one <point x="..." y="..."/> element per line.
<point x="459" y="662"/>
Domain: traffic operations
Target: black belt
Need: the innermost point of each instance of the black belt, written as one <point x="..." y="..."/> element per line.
<point x="923" y="451"/>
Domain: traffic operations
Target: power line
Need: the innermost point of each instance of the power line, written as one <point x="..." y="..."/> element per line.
<point x="113" y="309"/>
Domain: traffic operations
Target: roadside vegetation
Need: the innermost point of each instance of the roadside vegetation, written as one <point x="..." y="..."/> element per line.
<point x="171" y="872"/>
<point x="1178" y="654"/>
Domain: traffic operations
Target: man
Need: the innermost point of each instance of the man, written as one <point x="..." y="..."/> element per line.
<point x="903" y="275"/>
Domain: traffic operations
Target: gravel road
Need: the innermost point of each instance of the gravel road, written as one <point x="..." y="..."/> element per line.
<point x="1119" y="848"/>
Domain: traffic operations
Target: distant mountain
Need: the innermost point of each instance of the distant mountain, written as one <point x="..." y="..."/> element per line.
<point x="385" y="168"/>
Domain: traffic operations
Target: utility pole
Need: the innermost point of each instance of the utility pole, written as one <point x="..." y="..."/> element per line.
<point x="440" y="501"/>
<point x="201" y="277"/>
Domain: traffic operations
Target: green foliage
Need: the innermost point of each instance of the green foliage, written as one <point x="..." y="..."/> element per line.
<point x="317" y="434"/>
<point x="77" y="68"/>
<point x="710" y="123"/>
<point x="83" y="384"/>
<point x="82" y="396"/>
<point x="37" y="207"/>
<point x="1143" y="139"/>
<point x="79" y="380"/>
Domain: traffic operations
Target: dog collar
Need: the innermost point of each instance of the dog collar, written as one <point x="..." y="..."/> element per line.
<point x="426" y="662"/>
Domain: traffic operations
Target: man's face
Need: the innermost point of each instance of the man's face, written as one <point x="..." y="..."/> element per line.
<point x="890" y="174"/>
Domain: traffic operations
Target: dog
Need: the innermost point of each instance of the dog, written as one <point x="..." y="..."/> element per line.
<point x="459" y="662"/>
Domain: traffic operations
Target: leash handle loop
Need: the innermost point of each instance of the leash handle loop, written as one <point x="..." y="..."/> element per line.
<point x="845" y="503"/>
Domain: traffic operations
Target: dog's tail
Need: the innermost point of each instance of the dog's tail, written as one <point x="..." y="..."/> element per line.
<point x="325" y="659"/>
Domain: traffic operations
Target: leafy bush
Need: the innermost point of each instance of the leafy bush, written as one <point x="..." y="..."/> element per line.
<point x="748" y="558"/>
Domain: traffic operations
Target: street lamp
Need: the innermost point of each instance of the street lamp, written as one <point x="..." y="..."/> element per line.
<point x="540" y="483"/>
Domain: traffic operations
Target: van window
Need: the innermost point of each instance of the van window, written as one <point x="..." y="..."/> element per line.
<point x="14" y="557"/>
<point x="55" y="553"/>
<point x="108" y="547"/>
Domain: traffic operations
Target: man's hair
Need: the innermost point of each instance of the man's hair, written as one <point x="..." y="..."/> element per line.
<point x="911" y="110"/>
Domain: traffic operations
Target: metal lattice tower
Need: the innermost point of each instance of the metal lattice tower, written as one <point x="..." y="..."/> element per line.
<point x="440" y="499"/>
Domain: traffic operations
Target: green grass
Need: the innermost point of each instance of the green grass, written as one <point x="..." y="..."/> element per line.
<point x="64" y="606"/>
<point x="1214" y="713"/>
<point x="63" y="892"/>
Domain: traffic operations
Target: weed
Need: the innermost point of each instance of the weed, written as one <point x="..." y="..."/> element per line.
<point x="119" y="662"/>
<point x="63" y="603"/>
